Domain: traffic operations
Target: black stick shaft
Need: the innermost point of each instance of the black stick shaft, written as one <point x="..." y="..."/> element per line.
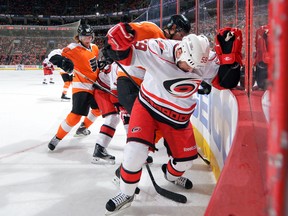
<point x="204" y="159"/>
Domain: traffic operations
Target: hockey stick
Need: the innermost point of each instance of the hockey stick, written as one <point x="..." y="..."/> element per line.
<point x="95" y="83"/>
<point x="204" y="159"/>
<point x="165" y="193"/>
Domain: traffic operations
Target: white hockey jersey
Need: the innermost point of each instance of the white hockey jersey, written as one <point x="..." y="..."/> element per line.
<point x="47" y="64"/>
<point x="108" y="79"/>
<point x="166" y="90"/>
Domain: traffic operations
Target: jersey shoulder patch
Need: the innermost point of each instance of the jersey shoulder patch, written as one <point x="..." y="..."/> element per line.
<point x="73" y="45"/>
<point x="163" y="48"/>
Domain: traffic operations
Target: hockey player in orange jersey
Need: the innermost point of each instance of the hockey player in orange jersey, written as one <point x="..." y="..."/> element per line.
<point x="81" y="56"/>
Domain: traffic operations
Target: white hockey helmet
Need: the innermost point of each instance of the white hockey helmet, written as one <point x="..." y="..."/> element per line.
<point x="195" y="50"/>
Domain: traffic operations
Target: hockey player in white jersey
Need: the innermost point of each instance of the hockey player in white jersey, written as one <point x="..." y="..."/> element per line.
<point x="174" y="72"/>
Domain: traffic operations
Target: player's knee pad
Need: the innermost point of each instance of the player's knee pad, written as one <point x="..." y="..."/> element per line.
<point x="135" y="155"/>
<point x="112" y="120"/>
<point x="72" y="119"/>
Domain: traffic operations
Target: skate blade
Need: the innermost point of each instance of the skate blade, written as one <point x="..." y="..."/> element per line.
<point x="65" y="100"/>
<point x="119" y="210"/>
<point x="80" y="135"/>
<point x="102" y="161"/>
<point x="50" y="151"/>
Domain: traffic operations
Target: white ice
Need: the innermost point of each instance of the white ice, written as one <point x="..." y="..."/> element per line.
<point x="36" y="182"/>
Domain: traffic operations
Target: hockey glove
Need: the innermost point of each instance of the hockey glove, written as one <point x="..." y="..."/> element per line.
<point x="124" y="115"/>
<point x="206" y="88"/>
<point x="67" y="65"/>
<point x="121" y="36"/>
<point x="106" y="69"/>
<point x="229" y="45"/>
<point x="261" y="45"/>
<point x="107" y="58"/>
<point x="102" y="65"/>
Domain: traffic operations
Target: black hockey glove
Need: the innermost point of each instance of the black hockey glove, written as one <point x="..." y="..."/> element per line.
<point x="62" y="62"/>
<point x="67" y="65"/>
<point x="102" y="64"/>
<point x="107" y="58"/>
<point x="206" y="88"/>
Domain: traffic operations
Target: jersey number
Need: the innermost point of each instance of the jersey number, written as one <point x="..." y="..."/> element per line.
<point x="141" y="46"/>
<point x="204" y="59"/>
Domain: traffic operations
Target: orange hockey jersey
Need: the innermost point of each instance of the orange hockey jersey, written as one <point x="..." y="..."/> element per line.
<point x="85" y="62"/>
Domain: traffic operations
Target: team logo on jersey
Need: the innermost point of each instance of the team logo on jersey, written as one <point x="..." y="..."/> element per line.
<point x="182" y="88"/>
<point x="161" y="46"/>
<point x="93" y="64"/>
<point x="136" y="129"/>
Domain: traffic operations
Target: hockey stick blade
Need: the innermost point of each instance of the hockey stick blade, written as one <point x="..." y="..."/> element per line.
<point x="165" y="193"/>
<point x="204" y="159"/>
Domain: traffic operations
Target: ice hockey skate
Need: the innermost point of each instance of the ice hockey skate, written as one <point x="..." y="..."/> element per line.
<point x="117" y="203"/>
<point x="82" y="131"/>
<point x="101" y="156"/>
<point x="53" y="143"/>
<point x="65" y="98"/>
<point x="181" y="181"/>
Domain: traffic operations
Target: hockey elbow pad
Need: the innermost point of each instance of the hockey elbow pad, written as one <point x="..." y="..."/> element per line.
<point x="62" y="62"/>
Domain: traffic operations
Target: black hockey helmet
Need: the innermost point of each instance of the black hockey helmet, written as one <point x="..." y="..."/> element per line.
<point x="85" y="30"/>
<point x="182" y="23"/>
